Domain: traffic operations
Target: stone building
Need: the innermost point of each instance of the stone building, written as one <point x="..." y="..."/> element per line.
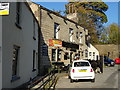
<point x="18" y="46"/>
<point x="62" y="39"/>
<point x="110" y="50"/>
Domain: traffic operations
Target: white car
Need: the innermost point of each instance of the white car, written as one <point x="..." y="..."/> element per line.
<point x="81" y="69"/>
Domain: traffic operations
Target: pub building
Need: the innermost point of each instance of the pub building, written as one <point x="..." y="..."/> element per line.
<point x="61" y="39"/>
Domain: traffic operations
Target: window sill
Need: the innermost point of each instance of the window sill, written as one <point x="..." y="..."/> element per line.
<point x="18" y="25"/>
<point x="33" y="70"/>
<point x="14" y="78"/>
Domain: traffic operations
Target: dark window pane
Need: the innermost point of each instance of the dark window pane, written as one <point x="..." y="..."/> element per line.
<point x="59" y="55"/>
<point x="80" y="64"/>
<point x="18" y="13"/>
<point x="33" y="59"/>
<point x="15" y="60"/>
<point x="53" y="54"/>
<point x="66" y="56"/>
<point x="56" y="29"/>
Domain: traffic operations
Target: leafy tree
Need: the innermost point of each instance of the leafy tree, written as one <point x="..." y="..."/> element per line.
<point x="103" y="37"/>
<point x="90" y="16"/>
<point x="111" y="34"/>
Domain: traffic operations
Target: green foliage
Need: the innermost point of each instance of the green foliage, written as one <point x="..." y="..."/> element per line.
<point x="91" y="16"/>
<point x="94" y="10"/>
<point x="103" y="37"/>
<point x="111" y="34"/>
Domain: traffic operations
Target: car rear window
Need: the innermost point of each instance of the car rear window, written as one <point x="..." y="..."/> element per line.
<point x="80" y="64"/>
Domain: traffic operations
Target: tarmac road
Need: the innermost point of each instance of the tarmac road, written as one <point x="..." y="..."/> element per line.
<point x="107" y="79"/>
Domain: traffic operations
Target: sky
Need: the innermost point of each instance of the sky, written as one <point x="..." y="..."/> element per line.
<point x="112" y="12"/>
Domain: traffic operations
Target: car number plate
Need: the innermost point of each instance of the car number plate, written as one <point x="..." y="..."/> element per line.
<point x="83" y="70"/>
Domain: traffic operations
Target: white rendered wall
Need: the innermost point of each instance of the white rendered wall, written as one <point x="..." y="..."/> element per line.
<point x="0" y="52"/>
<point x="92" y="49"/>
<point x="12" y="35"/>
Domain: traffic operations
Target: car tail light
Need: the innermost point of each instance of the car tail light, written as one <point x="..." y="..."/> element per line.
<point x="73" y="70"/>
<point x="91" y="70"/>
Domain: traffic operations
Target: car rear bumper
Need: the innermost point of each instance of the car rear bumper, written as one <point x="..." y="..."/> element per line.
<point x="82" y="77"/>
<point x="91" y="76"/>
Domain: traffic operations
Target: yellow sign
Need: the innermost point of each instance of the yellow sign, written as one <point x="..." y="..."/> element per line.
<point x="4" y="8"/>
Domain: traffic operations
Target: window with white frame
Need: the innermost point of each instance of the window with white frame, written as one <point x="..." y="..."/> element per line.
<point x="71" y="34"/>
<point x="77" y="35"/>
<point x="90" y="53"/>
<point x="93" y="55"/>
<point x="16" y="50"/>
<point x="86" y="53"/>
<point x="81" y="37"/>
<point x="59" y="55"/>
<point x="82" y="53"/>
<point x="53" y="54"/>
<point x="66" y="56"/>
<point x="56" y="30"/>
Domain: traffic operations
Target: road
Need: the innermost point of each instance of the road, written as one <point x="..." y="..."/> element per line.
<point x="108" y="79"/>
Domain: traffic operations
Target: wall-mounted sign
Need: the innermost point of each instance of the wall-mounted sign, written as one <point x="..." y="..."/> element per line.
<point x="55" y="43"/>
<point x="4" y="8"/>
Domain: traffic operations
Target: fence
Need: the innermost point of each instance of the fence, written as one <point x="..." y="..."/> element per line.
<point x="48" y="81"/>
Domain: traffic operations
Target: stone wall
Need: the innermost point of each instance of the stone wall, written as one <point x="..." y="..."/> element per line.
<point x="110" y="50"/>
<point x="47" y="31"/>
<point x="47" y="19"/>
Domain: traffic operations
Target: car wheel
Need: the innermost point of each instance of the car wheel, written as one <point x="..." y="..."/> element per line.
<point x="93" y="80"/>
<point x="112" y="63"/>
<point x="71" y="80"/>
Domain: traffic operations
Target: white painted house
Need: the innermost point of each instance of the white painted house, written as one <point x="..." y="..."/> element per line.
<point x="93" y="53"/>
<point x="18" y="46"/>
